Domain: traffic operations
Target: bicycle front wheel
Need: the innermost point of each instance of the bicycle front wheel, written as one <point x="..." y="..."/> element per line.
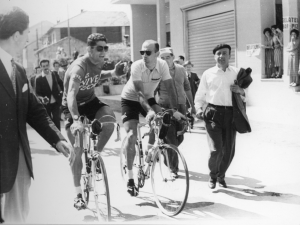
<point x="170" y="191"/>
<point x="137" y="173"/>
<point x="101" y="189"/>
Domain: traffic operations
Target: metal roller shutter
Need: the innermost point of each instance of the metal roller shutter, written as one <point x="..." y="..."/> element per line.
<point x="204" y="34"/>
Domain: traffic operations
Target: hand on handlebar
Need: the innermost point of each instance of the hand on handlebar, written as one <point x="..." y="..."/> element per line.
<point x="150" y="116"/>
<point x="76" y="126"/>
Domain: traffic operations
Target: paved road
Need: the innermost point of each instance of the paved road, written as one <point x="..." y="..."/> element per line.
<point x="263" y="180"/>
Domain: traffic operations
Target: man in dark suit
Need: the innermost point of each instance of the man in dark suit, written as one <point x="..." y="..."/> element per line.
<point x="18" y="107"/>
<point x="192" y="77"/>
<point x="49" y="89"/>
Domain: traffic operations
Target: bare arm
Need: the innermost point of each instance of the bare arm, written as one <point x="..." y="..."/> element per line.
<point x="117" y="71"/>
<point x="139" y="88"/>
<point x="71" y="98"/>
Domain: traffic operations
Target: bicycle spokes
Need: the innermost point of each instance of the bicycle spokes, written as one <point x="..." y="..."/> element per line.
<point x="170" y="192"/>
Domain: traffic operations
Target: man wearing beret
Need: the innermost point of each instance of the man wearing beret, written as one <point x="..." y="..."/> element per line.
<point x="213" y="102"/>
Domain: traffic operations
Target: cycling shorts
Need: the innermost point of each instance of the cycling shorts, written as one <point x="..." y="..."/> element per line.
<point x="88" y="109"/>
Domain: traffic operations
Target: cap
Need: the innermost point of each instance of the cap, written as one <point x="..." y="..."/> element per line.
<point x="220" y="46"/>
<point x="165" y="51"/>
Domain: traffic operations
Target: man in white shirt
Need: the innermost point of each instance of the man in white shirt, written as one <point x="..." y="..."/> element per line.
<point x="213" y="102"/>
<point x="138" y="98"/>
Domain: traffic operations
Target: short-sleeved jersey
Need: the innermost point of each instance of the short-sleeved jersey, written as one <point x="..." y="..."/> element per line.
<point x="87" y="74"/>
<point x="150" y="80"/>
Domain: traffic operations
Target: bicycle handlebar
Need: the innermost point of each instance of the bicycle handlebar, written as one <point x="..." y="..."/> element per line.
<point x="96" y="127"/>
<point x="157" y="120"/>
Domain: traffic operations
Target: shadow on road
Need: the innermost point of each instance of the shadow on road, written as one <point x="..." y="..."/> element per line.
<point x="118" y="216"/>
<point x="260" y="196"/>
<point x="239" y="180"/>
<point x="211" y="210"/>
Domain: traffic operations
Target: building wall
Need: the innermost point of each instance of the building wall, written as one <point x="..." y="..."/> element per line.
<point x="143" y="27"/>
<point x="176" y="27"/>
<point x="50" y="51"/>
<point x="32" y="60"/>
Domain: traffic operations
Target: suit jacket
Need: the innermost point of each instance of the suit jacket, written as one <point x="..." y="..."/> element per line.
<point x="240" y="118"/>
<point x="194" y="82"/>
<point x="17" y="110"/>
<point x="43" y="89"/>
<point x="181" y="85"/>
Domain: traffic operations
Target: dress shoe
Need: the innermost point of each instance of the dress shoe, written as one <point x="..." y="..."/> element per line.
<point x="212" y="183"/>
<point x="222" y="184"/>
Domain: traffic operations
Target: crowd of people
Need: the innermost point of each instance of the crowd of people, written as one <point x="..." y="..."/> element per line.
<point x="69" y="88"/>
<point x="273" y="46"/>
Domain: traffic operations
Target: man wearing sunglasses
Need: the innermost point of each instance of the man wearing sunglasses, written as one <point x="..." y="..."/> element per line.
<point x="138" y="98"/>
<point x="79" y="99"/>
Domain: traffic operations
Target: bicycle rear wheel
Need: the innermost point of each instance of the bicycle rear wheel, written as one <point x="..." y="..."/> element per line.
<point x="101" y="189"/>
<point x="170" y="193"/>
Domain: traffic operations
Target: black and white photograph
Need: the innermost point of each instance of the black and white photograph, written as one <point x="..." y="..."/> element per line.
<point x="149" y="112"/>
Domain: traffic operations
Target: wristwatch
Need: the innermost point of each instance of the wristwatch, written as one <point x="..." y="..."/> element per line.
<point x="75" y="117"/>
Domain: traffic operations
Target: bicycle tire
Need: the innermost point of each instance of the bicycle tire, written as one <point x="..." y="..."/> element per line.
<point x="86" y="175"/>
<point x="85" y="187"/>
<point x="101" y="189"/>
<point x="170" y="193"/>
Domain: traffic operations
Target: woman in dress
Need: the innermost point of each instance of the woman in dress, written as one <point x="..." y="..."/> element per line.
<point x="269" y="53"/>
<point x="293" y="60"/>
<point x="277" y="43"/>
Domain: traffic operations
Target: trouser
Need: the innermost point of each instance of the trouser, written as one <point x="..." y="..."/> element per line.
<point x="221" y="136"/>
<point x="53" y="111"/>
<point x="15" y="203"/>
<point x="172" y="138"/>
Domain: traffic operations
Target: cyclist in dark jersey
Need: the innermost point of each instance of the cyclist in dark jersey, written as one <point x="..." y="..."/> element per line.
<point x="79" y="99"/>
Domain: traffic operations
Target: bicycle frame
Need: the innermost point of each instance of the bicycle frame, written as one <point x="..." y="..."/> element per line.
<point x="157" y="146"/>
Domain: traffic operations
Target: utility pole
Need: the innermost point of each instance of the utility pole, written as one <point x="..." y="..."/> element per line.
<point x="69" y="37"/>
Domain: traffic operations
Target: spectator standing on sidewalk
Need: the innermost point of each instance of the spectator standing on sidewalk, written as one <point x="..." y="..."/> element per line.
<point x="213" y="102"/>
<point x="49" y="89"/>
<point x="183" y="93"/>
<point x="181" y="60"/>
<point x="293" y="58"/>
<point x="55" y="66"/>
<point x="19" y="106"/>
<point x="63" y="66"/>
<point x="192" y="78"/>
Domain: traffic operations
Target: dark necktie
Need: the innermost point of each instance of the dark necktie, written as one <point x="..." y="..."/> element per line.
<point x="13" y="75"/>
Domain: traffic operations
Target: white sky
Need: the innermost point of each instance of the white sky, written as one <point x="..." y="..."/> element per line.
<point x="53" y="10"/>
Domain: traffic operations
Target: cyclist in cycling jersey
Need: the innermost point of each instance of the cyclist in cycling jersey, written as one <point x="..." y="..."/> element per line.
<point x="79" y="99"/>
<point x="138" y="97"/>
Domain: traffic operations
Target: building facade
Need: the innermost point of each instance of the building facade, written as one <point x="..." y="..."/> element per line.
<point x="194" y="27"/>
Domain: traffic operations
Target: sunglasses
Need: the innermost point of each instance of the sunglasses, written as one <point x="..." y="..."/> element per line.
<point x="148" y="53"/>
<point x="101" y="48"/>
